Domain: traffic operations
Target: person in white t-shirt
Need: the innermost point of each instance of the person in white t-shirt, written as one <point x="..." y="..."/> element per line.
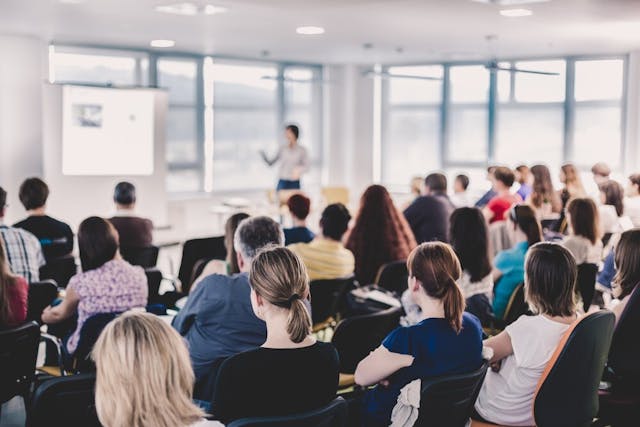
<point x="632" y="201"/>
<point x="523" y="350"/>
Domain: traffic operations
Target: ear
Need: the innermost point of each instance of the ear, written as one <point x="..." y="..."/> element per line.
<point x="413" y="283"/>
<point x="240" y="260"/>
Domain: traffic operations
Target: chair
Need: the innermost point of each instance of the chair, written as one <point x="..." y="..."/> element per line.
<point x="91" y="330"/>
<point x="326" y="298"/>
<point x="198" y="268"/>
<point x="197" y="249"/>
<point x="393" y="277"/>
<point x="357" y="336"/>
<point x="586" y="283"/>
<point x="144" y="257"/>
<point x="60" y="269"/>
<point x="18" y="354"/>
<point x="41" y="295"/>
<point x="567" y="392"/>
<point x="64" y="401"/>
<point x="333" y="195"/>
<point x="448" y="401"/>
<point x="516" y="306"/>
<point x="332" y="415"/>
<point x="154" y="279"/>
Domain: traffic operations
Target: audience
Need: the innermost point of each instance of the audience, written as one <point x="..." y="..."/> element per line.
<point x="522" y="351"/>
<point x="632" y="201"/>
<point x="291" y="372"/>
<point x="543" y="197"/>
<point x="22" y="249"/>
<point x="217" y="320"/>
<point x="229" y="266"/>
<point x="524" y="178"/>
<point x="55" y="236"/>
<point x="325" y="257"/>
<point x="584" y="240"/>
<point x="429" y="214"/>
<point x="611" y="209"/>
<point x="573" y="188"/>
<point x="508" y="272"/>
<point x="13" y="295"/>
<point x="299" y="206"/>
<point x="134" y="231"/>
<point x="143" y="376"/>
<point x="446" y="341"/>
<point x="107" y="284"/>
<point x="380" y="234"/>
<point x="627" y="262"/>
<point x="461" y="197"/>
<point x="490" y="194"/>
<point x="497" y="207"/>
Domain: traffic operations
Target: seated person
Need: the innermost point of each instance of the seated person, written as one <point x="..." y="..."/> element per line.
<point x="584" y="240"/>
<point x="13" y="295"/>
<point x="141" y="346"/>
<point x="632" y="201"/>
<point x="611" y="210"/>
<point x="107" y="284"/>
<point x="325" y="256"/>
<point x="500" y="204"/>
<point x="22" y="249"/>
<point x="229" y="266"/>
<point x="508" y="272"/>
<point x="218" y="320"/>
<point x="134" y="231"/>
<point x="447" y="340"/>
<point x="490" y="194"/>
<point x="525" y="179"/>
<point x="627" y="261"/>
<point x="291" y="372"/>
<point x="299" y="206"/>
<point x="522" y="351"/>
<point x="55" y="236"/>
<point x="428" y="215"/>
<point x="461" y="198"/>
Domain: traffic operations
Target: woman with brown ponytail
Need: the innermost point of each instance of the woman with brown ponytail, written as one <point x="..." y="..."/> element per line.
<point x="446" y="341"/>
<point x="291" y="372"/>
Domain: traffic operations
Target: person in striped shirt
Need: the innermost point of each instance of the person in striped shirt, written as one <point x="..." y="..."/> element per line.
<point x="325" y="256"/>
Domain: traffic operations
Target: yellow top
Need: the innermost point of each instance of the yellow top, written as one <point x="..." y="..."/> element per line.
<point x="325" y="259"/>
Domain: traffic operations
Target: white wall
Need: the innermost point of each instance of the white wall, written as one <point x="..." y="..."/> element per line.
<point x="632" y="151"/>
<point x="22" y="73"/>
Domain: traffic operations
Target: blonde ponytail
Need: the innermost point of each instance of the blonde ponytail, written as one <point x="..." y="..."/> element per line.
<point x="299" y="321"/>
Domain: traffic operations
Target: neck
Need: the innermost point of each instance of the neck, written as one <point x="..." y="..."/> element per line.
<point x="561" y="319"/>
<point x="277" y="335"/>
<point x="431" y="308"/>
<point x="503" y="192"/>
<point x="297" y="222"/>
<point x="126" y="208"/>
<point x="37" y="211"/>
<point x="329" y="239"/>
<point x="520" y="236"/>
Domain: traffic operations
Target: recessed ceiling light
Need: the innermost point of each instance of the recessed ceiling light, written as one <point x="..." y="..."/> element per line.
<point x="516" y="13"/>
<point x="212" y="9"/>
<point x="310" y="30"/>
<point x="162" y="43"/>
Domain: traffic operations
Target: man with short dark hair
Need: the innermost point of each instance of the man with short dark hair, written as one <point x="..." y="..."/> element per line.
<point x="134" y="231"/>
<point x="217" y="320"/>
<point x="22" y="248"/>
<point x="299" y="206"/>
<point x="325" y="256"/>
<point x="56" y="237"/>
<point x="429" y="214"/>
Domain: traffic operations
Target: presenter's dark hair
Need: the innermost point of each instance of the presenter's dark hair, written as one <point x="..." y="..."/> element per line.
<point x="33" y="193"/>
<point x="294" y="130"/>
<point x="335" y="220"/>
<point x="124" y="193"/>
<point x="98" y="242"/>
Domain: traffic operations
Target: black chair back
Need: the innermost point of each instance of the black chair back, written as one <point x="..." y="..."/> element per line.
<point x="448" y="401"/>
<point x="144" y="257"/>
<point x="568" y="393"/>
<point x="480" y="306"/>
<point x="624" y="353"/>
<point x="89" y="334"/>
<point x="198" y="268"/>
<point x="61" y="270"/>
<point x="393" y="277"/>
<point x="64" y="401"/>
<point x="197" y="249"/>
<point x="355" y="337"/>
<point x="18" y="354"/>
<point x="586" y="283"/>
<point x="154" y="279"/>
<point x="327" y="297"/>
<point x="517" y="306"/>
<point x="332" y="415"/>
<point x="41" y="295"/>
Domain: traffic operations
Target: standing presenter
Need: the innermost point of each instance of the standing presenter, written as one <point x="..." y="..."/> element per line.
<point x="293" y="159"/>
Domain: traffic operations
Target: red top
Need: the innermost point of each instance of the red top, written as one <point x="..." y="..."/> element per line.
<point x="500" y="205"/>
<point x="18" y="292"/>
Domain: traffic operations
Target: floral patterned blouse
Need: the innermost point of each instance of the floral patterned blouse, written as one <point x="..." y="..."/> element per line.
<point x="114" y="287"/>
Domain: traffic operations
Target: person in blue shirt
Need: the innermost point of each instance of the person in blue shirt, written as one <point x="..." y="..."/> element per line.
<point x="299" y="206"/>
<point x="524" y="229"/>
<point x="447" y="340"/>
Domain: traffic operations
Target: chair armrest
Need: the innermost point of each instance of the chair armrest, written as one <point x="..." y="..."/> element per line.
<point x="58" y="346"/>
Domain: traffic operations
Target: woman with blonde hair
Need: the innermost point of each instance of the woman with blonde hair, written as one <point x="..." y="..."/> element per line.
<point x="543" y="197"/>
<point x="144" y="376"/>
<point x="573" y="188"/>
<point x="291" y="372"/>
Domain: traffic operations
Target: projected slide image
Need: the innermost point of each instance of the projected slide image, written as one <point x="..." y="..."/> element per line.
<point x="87" y="115"/>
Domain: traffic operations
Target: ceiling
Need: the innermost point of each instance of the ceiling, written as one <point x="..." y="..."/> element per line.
<point x="399" y="31"/>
